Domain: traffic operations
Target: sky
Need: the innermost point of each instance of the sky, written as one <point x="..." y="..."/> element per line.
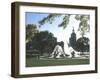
<point x="59" y="32"/>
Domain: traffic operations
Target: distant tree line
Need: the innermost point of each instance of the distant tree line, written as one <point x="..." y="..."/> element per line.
<point x="40" y="41"/>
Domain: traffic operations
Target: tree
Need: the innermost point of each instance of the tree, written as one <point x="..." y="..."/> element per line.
<point x="51" y="17"/>
<point x="83" y="25"/>
<point x="44" y="42"/>
<point x="31" y="30"/>
<point x="83" y="44"/>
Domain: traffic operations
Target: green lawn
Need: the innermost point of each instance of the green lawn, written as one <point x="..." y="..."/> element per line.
<point x="31" y="62"/>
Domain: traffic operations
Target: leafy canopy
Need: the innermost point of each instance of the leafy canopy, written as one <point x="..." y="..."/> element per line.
<point x="31" y="30"/>
<point x="83" y="25"/>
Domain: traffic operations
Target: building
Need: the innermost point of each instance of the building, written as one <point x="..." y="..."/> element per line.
<point x="81" y="44"/>
<point x="72" y="39"/>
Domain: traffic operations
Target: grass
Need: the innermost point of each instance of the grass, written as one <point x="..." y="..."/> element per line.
<point x="31" y="62"/>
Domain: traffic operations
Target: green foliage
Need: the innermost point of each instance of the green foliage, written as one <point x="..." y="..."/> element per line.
<point x="77" y="17"/>
<point x="83" y="44"/>
<point x="84" y="23"/>
<point x="43" y="41"/>
<point x="31" y="29"/>
<point x="49" y="19"/>
<point x="65" y="21"/>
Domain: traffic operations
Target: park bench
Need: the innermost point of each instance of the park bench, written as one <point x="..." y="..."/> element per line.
<point x="33" y="53"/>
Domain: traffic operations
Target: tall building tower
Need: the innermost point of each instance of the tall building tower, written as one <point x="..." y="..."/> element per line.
<point x="72" y="39"/>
